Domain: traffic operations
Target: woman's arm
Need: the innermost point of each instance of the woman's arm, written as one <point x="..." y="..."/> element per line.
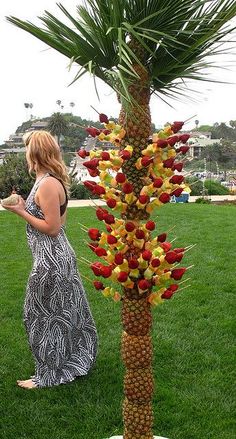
<point x="48" y="196"/>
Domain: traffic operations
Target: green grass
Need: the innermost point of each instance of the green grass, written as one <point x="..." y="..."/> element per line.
<point x="192" y="334"/>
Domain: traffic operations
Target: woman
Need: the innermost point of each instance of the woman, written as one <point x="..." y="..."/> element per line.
<point x="60" y="328"/>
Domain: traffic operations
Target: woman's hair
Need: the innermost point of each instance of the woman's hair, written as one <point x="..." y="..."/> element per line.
<point x="42" y="151"/>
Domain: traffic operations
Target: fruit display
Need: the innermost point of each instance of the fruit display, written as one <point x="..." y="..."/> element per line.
<point x="137" y="262"/>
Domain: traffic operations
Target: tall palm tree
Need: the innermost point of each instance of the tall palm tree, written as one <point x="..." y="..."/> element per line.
<point x="57" y="125"/>
<point x="140" y="48"/>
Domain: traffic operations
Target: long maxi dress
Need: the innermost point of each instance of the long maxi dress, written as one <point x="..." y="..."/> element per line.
<point x="59" y="324"/>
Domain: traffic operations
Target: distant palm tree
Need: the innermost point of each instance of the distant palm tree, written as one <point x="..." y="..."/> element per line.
<point x="196" y="124"/>
<point x="58" y="125"/>
<point x="72" y="104"/>
<point x="58" y="102"/>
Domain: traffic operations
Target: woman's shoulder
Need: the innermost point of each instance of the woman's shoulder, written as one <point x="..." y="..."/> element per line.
<point x="49" y="182"/>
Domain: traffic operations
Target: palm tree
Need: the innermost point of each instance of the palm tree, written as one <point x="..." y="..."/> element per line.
<point x="57" y="125"/>
<point x="140" y="48"/>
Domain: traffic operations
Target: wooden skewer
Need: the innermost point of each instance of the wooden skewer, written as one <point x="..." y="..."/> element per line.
<point x="185" y="280"/>
<point x="88" y="262"/>
<point x="81" y="260"/>
<point x="173" y="240"/>
<point x="85" y="227"/>
<point x="169" y="230"/>
<point x="190" y="248"/>
<point x="97" y="110"/>
<point x="181" y="289"/>
<point x="190" y="266"/>
<point x="85" y="277"/>
<point x="190" y="118"/>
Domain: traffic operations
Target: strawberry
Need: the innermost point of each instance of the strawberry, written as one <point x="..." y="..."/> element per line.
<point x="170" y="257"/>
<point x="172" y="140"/>
<point x="100" y="213"/>
<point x="106" y="271"/>
<point x="93" y="172"/>
<point x="96" y="267"/>
<point x="125" y="155"/>
<point x="162" y="143"/>
<point x="133" y="263"/>
<point x="140" y="234"/>
<point x="120" y="177"/>
<point x="176" y="126"/>
<point x="166" y="246"/>
<point x="144" y="284"/>
<point x="168" y="163"/>
<point x="129" y="226"/>
<point x="146" y="161"/>
<point x="177" y="179"/>
<point x="111" y="239"/>
<point x="183" y="149"/>
<point x="90" y="184"/>
<point x="162" y="237"/>
<point x="109" y="219"/>
<point x="167" y="294"/>
<point x="177" y="273"/>
<point x="93" y="132"/>
<point x="99" y="190"/>
<point x="103" y="118"/>
<point x="98" y="285"/>
<point x="105" y="155"/>
<point x="144" y="199"/>
<point x="155" y="262"/>
<point x="122" y="276"/>
<point x="157" y="182"/>
<point x="100" y="251"/>
<point x="82" y="153"/>
<point x="111" y="202"/>
<point x="164" y="198"/>
<point x="94" y="234"/>
<point x="119" y="258"/>
<point x="127" y="188"/>
<point x="150" y="225"/>
<point x="177" y="167"/>
<point x="177" y="192"/>
<point x="91" y="164"/>
<point x="146" y="255"/>
<point x="184" y="137"/>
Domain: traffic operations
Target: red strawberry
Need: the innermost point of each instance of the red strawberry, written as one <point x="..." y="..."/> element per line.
<point x="103" y="118"/>
<point x="179" y="250"/>
<point x="111" y="202"/>
<point x="96" y="267"/>
<point x="92" y="245"/>
<point x="119" y="258"/>
<point x="157" y="182"/>
<point x="173" y="140"/>
<point x="150" y="225"/>
<point x="98" y="285"/>
<point x="170" y="257"/>
<point x="176" y="126"/>
<point x="177" y="167"/>
<point x="82" y="153"/>
<point x="155" y="262"/>
<point x="184" y="137"/>
<point x="166" y="246"/>
<point x="144" y="199"/>
<point x="140" y="234"/>
<point x="133" y="263"/>
<point x="173" y="287"/>
<point x="125" y="155"/>
<point x="90" y="184"/>
<point x="120" y="177"/>
<point x="109" y="219"/>
<point x="111" y="239"/>
<point x="162" y="143"/>
<point x="99" y="190"/>
<point x="91" y="164"/>
<point x="109" y="229"/>
<point x="183" y="149"/>
<point x="177" y="273"/>
<point x="146" y="161"/>
<point x="164" y="198"/>
<point x="106" y="271"/>
<point x="144" y="284"/>
<point x="129" y="226"/>
<point x="162" y="237"/>
<point x="179" y="257"/>
<point x="100" y="251"/>
<point x="146" y="255"/>
<point x="177" y="179"/>
<point x="168" y="163"/>
<point x="127" y="188"/>
<point x="100" y="213"/>
<point x="94" y="234"/>
<point x="93" y="131"/>
<point x="122" y="276"/>
<point x="167" y="294"/>
<point x="105" y="155"/>
<point x="177" y="192"/>
<point x="93" y="172"/>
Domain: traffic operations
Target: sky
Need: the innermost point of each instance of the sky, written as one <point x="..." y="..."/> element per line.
<point x="31" y="72"/>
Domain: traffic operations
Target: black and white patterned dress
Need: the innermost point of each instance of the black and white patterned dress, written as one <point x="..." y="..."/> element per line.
<point x="61" y="330"/>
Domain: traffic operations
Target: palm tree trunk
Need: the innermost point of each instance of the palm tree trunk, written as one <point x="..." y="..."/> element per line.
<point x="136" y="312"/>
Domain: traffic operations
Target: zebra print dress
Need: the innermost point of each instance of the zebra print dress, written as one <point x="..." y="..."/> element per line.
<point x="60" y="328"/>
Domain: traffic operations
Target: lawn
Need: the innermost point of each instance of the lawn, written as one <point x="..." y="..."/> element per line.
<point x="192" y="334"/>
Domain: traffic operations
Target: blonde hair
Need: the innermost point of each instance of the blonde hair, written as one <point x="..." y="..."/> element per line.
<point x="42" y="151"/>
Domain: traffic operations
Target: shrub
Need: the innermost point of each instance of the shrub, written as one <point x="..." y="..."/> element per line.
<point x="14" y="175"/>
<point x="215" y="188"/>
<point x="202" y="201"/>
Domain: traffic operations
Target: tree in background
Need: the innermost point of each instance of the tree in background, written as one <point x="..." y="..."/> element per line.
<point x="139" y="48"/>
<point x="58" y="125"/>
<point x="14" y="175"/>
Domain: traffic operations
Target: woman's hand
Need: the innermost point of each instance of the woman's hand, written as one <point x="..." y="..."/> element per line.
<point x="18" y="208"/>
